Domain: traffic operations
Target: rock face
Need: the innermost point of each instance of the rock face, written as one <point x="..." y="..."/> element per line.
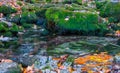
<point x="9" y="67"/>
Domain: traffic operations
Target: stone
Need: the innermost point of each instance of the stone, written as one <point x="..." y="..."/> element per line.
<point x="117" y="59"/>
<point x="11" y="67"/>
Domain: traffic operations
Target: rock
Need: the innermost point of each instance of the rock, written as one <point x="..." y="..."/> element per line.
<point x="9" y="67"/>
<point x="26" y="48"/>
<point x="26" y="60"/>
<point x="74" y="48"/>
<point x="41" y="21"/>
<point x="38" y="60"/>
<point x="117" y="59"/>
<point x="118" y="41"/>
<point x="5" y="38"/>
<point x="6" y="22"/>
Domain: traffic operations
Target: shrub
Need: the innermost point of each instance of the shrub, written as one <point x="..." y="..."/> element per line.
<point x="7" y="10"/>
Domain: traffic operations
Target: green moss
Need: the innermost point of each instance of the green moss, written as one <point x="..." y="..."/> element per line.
<point x="79" y="1"/>
<point x="73" y="21"/>
<point x="110" y="9"/>
<point x="8" y="34"/>
<point x="29" y="7"/>
<point x="41" y="12"/>
<point x="26" y="26"/>
<point x="70" y="59"/>
<point x="7" y="10"/>
<point x="28" y="17"/>
<point x="3" y="27"/>
<point x="48" y="1"/>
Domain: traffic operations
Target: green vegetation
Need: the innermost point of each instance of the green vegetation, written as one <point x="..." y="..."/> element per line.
<point x="9" y="31"/>
<point x="110" y="10"/>
<point x="25" y="17"/>
<point x="74" y="21"/>
<point x="7" y="10"/>
<point x="28" y="17"/>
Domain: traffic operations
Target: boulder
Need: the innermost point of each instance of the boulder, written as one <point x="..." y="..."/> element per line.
<point x="11" y="67"/>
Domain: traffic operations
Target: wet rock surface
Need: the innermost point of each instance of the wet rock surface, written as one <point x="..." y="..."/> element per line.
<point x="39" y="51"/>
<point x="9" y="67"/>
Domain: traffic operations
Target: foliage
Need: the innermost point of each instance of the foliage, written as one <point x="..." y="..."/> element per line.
<point x="73" y="21"/>
<point x="7" y="10"/>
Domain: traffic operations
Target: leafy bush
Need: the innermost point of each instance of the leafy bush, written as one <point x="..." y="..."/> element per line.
<point x="7" y="10"/>
<point x="73" y="21"/>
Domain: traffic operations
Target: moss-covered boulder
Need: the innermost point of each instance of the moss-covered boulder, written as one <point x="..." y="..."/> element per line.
<point x="110" y="10"/>
<point x="5" y="30"/>
<point x="25" y="17"/>
<point x="7" y="9"/>
<point x="65" y="20"/>
<point x="28" y="17"/>
<point x="3" y="27"/>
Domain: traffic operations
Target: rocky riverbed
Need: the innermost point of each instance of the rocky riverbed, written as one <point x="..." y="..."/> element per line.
<point x="59" y="54"/>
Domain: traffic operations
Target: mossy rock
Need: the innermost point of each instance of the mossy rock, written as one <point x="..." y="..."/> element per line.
<point x="7" y="10"/>
<point x="27" y="26"/>
<point x="25" y="17"/>
<point x="79" y="47"/>
<point x="112" y="49"/>
<point x="41" y="12"/>
<point x="118" y="42"/>
<point x="28" y="17"/>
<point x="3" y="27"/>
<point x="30" y="7"/>
<point x="16" y="19"/>
<point x="65" y="20"/>
<point x="111" y="10"/>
